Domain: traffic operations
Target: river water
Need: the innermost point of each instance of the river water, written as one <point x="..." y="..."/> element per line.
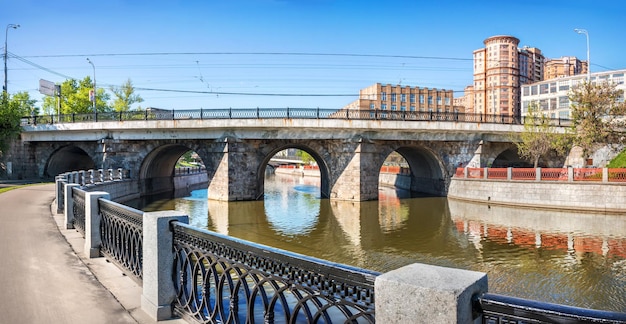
<point x="566" y="258"/>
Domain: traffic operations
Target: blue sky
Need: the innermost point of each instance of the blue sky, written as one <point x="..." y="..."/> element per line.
<point x="200" y="51"/>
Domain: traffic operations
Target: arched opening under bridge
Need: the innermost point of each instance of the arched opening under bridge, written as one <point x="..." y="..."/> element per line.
<point x="68" y="158"/>
<point x="412" y="171"/>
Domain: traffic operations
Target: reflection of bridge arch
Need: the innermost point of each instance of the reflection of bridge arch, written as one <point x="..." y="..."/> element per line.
<point x="427" y="172"/>
<point x="323" y="167"/>
<point x="68" y="158"/>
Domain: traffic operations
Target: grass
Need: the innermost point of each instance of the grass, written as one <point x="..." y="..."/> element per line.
<point x="619" y="161"/>
<point x="5" y="189"/>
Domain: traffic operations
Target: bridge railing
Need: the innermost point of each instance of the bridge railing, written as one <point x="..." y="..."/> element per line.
<point x="505" y="309"/>
<point x="211" y="278"/>
<point x="121" y="234"/>
<point x="287" y="113"/>
<point x="226" y="280"/>
<point x="544" y="174"/>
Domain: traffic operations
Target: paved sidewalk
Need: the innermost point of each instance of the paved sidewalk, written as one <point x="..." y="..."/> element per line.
<point x="45" y="276"/>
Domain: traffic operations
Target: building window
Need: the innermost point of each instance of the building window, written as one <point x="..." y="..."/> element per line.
<point x="447" y="101"/>
<point x="421" y="99"/>
<point x="543" y="88"/>
<point x="393" y="97"/>
<point x="403" y="97"/>
<point x="553" y="87"/>
<point x="533" y="90"/>
<point x="563" y="86"/>
<point x="383" y="96"/>
<point x="393" y="107"/>
<point x="430" y="100"/>
<point x="403" y="108"/>
<point x="372" y="106"/>
<point x="439" y="102"/>
<point x="383" y="107"/>
<point x="563" y="102"/>
<point x="564" y="114"/>
<point x="552" y="103"/>
<point x="412" y="98"/>
<point x="412" y="108"/>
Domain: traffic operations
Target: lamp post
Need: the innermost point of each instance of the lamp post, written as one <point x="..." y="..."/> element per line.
<point x="94" y="84"/>
<point x="584" y="31"/>
<point x="6" y="35"/>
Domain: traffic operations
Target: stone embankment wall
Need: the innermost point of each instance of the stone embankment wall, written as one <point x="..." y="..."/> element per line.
<point x="579" y="196"/>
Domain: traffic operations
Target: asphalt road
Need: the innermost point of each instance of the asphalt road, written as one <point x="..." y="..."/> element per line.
<point x="42" y="280"/>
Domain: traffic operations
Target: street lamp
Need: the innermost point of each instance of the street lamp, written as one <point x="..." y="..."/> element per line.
<point x="94" y="84"/>
<point x="6" y="35"/>
<point x="584" y="31"/>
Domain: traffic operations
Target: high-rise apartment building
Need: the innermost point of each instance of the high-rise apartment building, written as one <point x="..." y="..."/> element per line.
<point x="403" y="98"/>
<point x="499" y="70"/>
<point x="563" y="67"/>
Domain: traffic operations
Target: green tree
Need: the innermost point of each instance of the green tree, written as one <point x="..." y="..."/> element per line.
<point x="305" y="157"/>
<point x="75" y="98"/>
<point x="125" y="96"/>
<point x="539" y="136"/>
<point x="597" y="112"/>
<point x="13" y="109"/>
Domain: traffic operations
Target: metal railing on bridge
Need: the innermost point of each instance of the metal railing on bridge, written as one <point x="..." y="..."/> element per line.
<point x="288" y="113"/>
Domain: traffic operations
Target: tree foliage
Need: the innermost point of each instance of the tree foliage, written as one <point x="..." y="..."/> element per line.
<point x="539" y="136"/>
<point x="597" y="112"/>
<point x="75" y="98"/>
<point x="305" y="157"/>
<point x="125" y="96"/>
<point x="13" y="109"/>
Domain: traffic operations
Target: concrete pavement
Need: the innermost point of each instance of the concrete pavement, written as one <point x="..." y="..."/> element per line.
<point x="45" y="277"/>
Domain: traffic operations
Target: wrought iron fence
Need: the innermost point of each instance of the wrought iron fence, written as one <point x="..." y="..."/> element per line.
<point x="121" y="231"/>
<point x="79" y="210"/>
<point x="289" y="113"/>
<point x="497" y="309"/>
<point x="219" y="279"/>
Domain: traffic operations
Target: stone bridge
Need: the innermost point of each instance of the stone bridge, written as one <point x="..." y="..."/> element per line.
<point x="235" y="152"/>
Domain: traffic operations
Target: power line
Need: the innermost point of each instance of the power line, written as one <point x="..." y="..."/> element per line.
<point x="260" y="53"/>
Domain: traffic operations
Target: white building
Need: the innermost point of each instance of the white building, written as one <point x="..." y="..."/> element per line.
<point x="552" y="95"/>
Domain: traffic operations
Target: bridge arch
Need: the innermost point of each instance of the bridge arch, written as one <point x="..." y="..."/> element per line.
<point x="68" y="158"/>
<point x="509" y="157"/>
<point x="323" y="167"/>
<point x="156" y="172"/>
<point x="427" y="171"/>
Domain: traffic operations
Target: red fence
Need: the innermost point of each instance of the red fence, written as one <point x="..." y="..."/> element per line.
<point x="544" y="174"/>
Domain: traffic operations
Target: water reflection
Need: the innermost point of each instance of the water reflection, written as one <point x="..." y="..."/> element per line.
<point x="568" y="258"/>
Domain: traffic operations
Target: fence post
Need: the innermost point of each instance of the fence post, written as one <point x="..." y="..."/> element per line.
<point x="93" y="240"/>
<point x="421" y="293"/>
<point x="605" y="174"/>
<point x="158" y="260"/>
<point x="465" y="172"/>
<point x="59" y="194"/>
<point x="570" y="174"/>
<point x="486" y="173"/>
<point x="538" y="174"/>
<point x="509" y="173"/>
<point x="68" y="209"/>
